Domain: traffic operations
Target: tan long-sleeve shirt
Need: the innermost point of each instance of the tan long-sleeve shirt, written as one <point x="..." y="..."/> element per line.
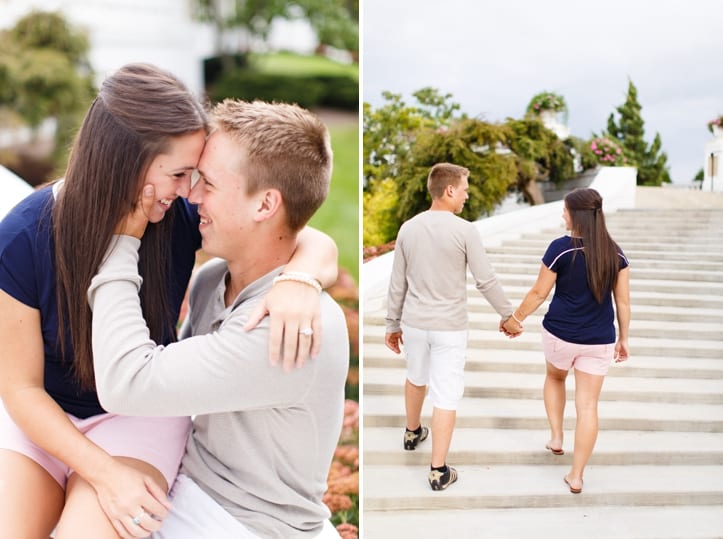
<point x="428" y="286"/>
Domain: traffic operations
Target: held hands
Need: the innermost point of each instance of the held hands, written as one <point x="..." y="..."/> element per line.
<point x="510" y="327"/>
<point x="132" y="501"/>
<point x="134" y="224"/>
<point x="295" y="323"/>
<point x="393" y="340"/>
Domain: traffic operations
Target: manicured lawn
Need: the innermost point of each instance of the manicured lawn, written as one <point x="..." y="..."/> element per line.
<point x="339" y="215"/>
<point x="287" y="63"/>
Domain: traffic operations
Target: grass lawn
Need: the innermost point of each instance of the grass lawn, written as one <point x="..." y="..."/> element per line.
<point x="339" y="215"/>
<point x="287" y="63"/>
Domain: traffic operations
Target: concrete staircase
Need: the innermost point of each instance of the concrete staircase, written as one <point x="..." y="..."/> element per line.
<point x="657" y="469"/>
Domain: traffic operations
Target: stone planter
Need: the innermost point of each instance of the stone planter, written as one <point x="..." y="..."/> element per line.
<point x="717" y="131"/>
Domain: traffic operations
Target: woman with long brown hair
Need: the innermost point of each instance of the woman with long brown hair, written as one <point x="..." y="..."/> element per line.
<point x="588" y="270"/>
<point x="64" y="462"/>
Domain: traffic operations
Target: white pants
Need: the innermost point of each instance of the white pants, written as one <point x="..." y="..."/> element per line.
<point x="436" y="359"/>
<point x="196" y="515"/>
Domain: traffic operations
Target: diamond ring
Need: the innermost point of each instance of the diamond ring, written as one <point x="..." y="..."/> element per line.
<point x="307" y="332"/>
<point x="137" y="520"/>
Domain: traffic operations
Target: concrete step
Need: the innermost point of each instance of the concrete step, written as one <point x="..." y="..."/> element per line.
<point x="530" y="361"/>
<point x="680" y="266"/>
<point x="632" y="254"/>
<point x="637" y="284"/>
<point x="649" y="313"/>
<point x="712" y="331"/>
<point x="682" y="247"/>
<point x="405" y="488"/>
<point x="482" y="447"/>
<point x="504" y="385"/>
<point x="529" y="340"/>
<point x="593" y="522"/>
<point x="388" y="411"/>
<point x="659" y="453"/>
<point x="524" y="274"/>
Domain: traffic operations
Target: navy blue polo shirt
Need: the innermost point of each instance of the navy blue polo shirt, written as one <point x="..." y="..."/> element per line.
<point x="575" y="315"/>
<point x="27" y="273"/>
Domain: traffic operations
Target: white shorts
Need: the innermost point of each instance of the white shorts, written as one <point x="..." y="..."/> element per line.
<point x="436" y="359"/>
<point x="195" y="514"/>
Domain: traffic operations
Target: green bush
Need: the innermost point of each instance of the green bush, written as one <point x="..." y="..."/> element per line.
<point x="308" y="91"/>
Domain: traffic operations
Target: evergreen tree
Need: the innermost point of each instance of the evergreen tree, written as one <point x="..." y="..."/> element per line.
<point x="652" y="163"/>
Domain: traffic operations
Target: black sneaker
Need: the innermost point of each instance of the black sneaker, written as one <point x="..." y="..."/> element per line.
<point x="439" y="480"/>
<point x="411" y="438"/>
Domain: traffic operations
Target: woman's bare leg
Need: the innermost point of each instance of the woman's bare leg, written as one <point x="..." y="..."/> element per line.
<point x="30" y="499"/>
<point x="555" y="398"/>
<point x="83" y="517"/>
<point x="587" y="394"/>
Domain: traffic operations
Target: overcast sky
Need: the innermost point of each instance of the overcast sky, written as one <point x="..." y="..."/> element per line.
<point x="493" y="56"/>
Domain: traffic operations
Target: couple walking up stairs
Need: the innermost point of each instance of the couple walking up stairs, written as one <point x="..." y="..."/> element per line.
<point x="657" y="468"/>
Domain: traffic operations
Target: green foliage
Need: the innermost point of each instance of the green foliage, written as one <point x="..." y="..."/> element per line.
<point x="390" y="130"/>
<point x="50" y="31"/>
<point x="715" y="122"/>
<point x="582" y="148"/>
<point x="44" y="72"/>
<point x="402" y="142"/>
<point x="551" y="157"/>
<point x="308" y="91"/>
<point x="471" y="143"/>
<point x="630" y="132"/>
<point x="335" y="21"/>
<point x="546" y="101"/>
<point x="339" y="215"/>
<point x="699" y="176"/>
<point x="380" y="217"/>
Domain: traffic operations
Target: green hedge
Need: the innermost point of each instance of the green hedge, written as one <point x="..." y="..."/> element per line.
<point x="308" y="91"/>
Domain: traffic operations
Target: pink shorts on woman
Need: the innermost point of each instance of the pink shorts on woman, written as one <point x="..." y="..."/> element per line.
<point x="589" y="358"/>
<point x="159" y="441"/>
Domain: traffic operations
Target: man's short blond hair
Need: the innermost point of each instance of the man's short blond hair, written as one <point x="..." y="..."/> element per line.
<point x="284" y="147"/>
<point x="443" y="174"/>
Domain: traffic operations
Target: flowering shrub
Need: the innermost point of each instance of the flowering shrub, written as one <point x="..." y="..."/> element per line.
<point x="546" y="101"/>
<point x="342" y="495"/>
<point x="716" y="122"/>
<point x="607" y="152"/>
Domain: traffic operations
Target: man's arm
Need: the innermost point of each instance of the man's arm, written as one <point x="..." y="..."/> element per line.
<point x="484" y="276"/>
<point x="226" y="370"/>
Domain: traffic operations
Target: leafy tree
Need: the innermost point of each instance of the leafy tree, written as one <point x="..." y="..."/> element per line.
<point x="629" y="132"/>
<point x="335" y="21"/>
<point x="391" y="130"/>
<point x="45" y="72"/>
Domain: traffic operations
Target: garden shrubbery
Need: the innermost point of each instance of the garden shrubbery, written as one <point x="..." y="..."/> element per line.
<point x="309" y="91"/>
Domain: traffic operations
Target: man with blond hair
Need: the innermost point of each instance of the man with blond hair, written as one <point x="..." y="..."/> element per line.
<point x="258" y="457"/>
<point x="427" y="310"/>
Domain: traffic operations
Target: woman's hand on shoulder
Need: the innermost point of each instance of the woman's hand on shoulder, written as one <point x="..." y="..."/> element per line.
<point x="294" y="324"/>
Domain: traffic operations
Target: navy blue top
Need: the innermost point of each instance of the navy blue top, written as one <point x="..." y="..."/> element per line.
<point x="27" y="273"/>
<point x="575" y="315"/>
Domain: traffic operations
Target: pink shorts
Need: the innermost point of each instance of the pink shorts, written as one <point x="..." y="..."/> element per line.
<point x="159" y="441"/>
<point x="589" y="358"/>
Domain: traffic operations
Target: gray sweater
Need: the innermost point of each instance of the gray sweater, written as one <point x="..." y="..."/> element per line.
<point x="428" y="285"/>
<point x="263" y="439"/>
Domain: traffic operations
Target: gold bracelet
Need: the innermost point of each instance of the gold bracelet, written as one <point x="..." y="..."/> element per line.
<point x="299" y="277"/>
<point x="515" y="318"/>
